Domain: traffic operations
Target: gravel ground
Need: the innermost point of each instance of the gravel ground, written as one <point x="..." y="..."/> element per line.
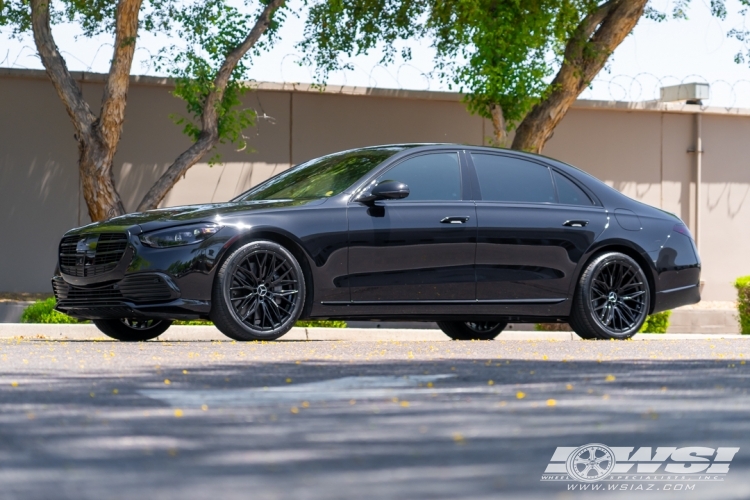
<point x="309" y="420"/>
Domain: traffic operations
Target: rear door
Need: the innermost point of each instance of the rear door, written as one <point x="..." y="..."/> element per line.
<point x="420" y="248"/>
<point x="534" y="224"/>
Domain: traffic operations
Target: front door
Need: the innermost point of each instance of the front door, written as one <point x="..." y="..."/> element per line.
<point x="420" y="248"/>
<point x="534" y="225"/>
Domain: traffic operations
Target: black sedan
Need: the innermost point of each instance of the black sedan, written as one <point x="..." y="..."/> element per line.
<point x="470" y="237"/>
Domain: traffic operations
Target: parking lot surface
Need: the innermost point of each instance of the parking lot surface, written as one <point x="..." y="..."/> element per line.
<point x="334" y="419"/>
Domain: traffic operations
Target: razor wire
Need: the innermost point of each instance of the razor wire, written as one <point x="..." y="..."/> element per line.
<point x="641" y="87"/>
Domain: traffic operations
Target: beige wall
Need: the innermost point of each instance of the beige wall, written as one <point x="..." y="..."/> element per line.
<point x="640" y="149"/>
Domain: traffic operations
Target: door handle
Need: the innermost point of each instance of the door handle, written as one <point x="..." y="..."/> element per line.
<point x="575" y="223"/>
<point x="459" y="219"/>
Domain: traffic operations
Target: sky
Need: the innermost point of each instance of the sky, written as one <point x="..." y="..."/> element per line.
<point x="654" y="55"/>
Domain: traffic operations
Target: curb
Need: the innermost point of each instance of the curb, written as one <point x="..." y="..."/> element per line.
<point x="83" y="332"/>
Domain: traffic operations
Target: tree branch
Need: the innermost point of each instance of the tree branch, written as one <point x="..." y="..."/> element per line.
<point x="594" y="40"/>
<point x="209" y="135"/>
<point x="498" y="126"/>
<point x="116" y="89"/>
<point x="67" y="88"/>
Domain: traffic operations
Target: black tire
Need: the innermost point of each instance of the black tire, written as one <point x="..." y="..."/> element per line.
<point x="258" y="293"/>
<point x="612" y="298"/>
<point x="472" y="330"/>
<point x="132" y="330"/>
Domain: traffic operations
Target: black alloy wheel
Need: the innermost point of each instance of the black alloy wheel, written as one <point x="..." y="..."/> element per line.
<point x="612" y="298"/>
<point x="259" y="292"/>
<point x="472" y="330"/>
<point x="132" y="329"/>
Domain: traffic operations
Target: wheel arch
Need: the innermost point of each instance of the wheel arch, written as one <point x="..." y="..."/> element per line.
<point x="287" y="241"/>
<point x="628" y="249"/>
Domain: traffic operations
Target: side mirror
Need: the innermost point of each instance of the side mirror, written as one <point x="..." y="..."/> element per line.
<point x="385" y="190"/>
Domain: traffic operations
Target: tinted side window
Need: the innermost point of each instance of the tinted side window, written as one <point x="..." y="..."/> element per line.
<point x="502" y="178"/>
<point x="569" y="193"/>
<point x="435" y="176"/>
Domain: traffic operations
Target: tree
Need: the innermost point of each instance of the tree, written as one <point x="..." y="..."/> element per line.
<point x="501" y="54"/>
<point x="207" y="63"/>
<point x="589" y="46"/>
<point x="496" y="52"/>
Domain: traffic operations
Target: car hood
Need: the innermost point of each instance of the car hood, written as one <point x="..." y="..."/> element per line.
<point x="164" y="217"/>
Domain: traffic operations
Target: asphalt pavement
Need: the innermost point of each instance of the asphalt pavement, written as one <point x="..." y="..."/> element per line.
<point x="336" y="419"/>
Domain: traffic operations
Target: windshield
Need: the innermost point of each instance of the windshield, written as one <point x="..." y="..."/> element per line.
<point x="322" y="177"/>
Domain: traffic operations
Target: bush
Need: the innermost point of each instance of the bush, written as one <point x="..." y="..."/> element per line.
<point x="656" y="323"/>
<point x="43" y="311"/>
<point x="553" y="327"/>
<point x="743" y="303"/>
<point x="193" y="322"/>
<point x="323" y="323"/>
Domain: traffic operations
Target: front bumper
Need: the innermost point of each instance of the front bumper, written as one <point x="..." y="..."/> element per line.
<point x="165" y="283"/>
<point x="144" y="295"/>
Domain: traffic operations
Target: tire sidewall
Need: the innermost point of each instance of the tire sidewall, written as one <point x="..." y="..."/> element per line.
<point x="225" y="279"/>
<point x="459" y="330"/>
<point x="118" y="330"/>
<point x="586" y="288"/>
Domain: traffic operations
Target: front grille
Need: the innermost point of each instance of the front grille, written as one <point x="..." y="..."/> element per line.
<point x="138" y="288"/>
<point x="91" y="254"/>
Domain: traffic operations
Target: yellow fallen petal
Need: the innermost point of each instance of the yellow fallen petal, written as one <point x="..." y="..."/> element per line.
<point x="14" y="384"/>
<point x="405" y="404"/>
<point x="551" y="402"/>
<point x="609" y="378"/>
<point x="167" y="381"/>
<point x="490" y="382"/>
<point x="294" y="409"/>
<point x="178" y="413"/>
<point x="204" y="407"/>
<point x="288" y="381"/>
<point x="569" y="387"/>
<point x="520" y="395"/>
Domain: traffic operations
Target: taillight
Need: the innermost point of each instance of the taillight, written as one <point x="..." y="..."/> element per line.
<point x="682" y="229"/>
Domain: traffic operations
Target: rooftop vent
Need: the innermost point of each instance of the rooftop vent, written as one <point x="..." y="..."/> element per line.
<point x="690" y="93"/>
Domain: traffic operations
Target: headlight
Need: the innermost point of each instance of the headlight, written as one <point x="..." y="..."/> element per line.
<point x="181" y="235"/>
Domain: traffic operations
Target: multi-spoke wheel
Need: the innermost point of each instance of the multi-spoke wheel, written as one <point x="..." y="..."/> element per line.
<point x="472" y="330"/>
<point x="259" y="292"/>
<point x="132" y="329"/>
<point x="612" y="298"/>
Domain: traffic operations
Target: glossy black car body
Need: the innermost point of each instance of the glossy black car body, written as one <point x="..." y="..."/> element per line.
<point x="464" y="259"/>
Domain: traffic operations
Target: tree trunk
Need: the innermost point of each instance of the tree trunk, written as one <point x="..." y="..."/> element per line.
<point x="595" y="38"/>
<point x="209" y="118"/>
<point x="97" y="137"/>
<point x="98" y="183"/>
<point x="500" y="135"/>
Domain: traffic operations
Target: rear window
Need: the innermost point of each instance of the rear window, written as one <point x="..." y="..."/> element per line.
<point x="503" y="178"/>
<point x="569" y="193"/>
